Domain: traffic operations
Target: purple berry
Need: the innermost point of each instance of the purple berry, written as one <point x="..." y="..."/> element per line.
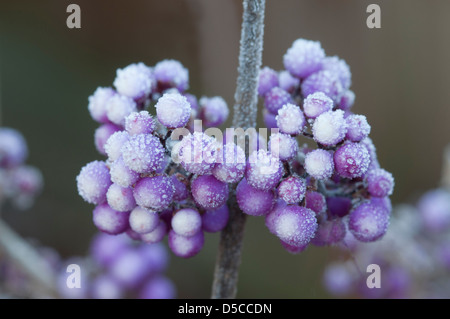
<point x="134" y="81"/>
<point x="105" y="248"/>
<point x="187" y="222"/>
<point x="181" y="191"/>
<point x="340" y="68"/>
<point x="323" y="81"/>
<point x="122" y="175"/>
<point x="120" y="198"/>
<point x="154" y="192"/>
<point x="113" y="146"/>
<point x="304" y="57"/>
<point x="351" y="160"/>
<point x="143" y="220"/>
<point x="13" y="148"/>
<point x="272" y="216"/>
<point x="319" y="164"/>
<point x="102" y="135"/>
<point x="292" y="190"/>
<point x="368" y="222"/>
<point x="357" y="127"/>
<point x="173" y="110"/>
<point x="370" y="147"/>
<point x="380" y="182"/>
<point x="192" y="101"/>
<point x="290" y="119"/>
<point x="434" y="208"/>
<point x="270" y="119"/>
<point x="329" y="232"/>
<point x="268" y="79"/>
<point x="139" y="123"/>
<point x="143" y="153"/>
<point x="105" y="287"/>
<point x="156" y="235"/>
<point x="171" y="73"/>
<point x="215" y="220"/>
<point x="129" y="269"/>
<point x="198" y="153"/>
<point x="316" y="104"/>
<point x="213" y="111"/>
<point x="232" y="167"/>
<point x="158" y="288"/>
<point x="109" y="220"/>
<point x="283" y="146"/>
<point x="287" y="82"/>
<point x="315" y="201"/>
<point x="275" y="99"/>
<point x="338" y="207"/>
<point x="186" y="247"/>
<point x="293" y="249"/>
<point x="346" y="100"/>
<point x="330" y="128"/>
<point x="263" y="171"/>
<point x="209" y="192"/>
<point x="97" y="104"/>
<point x="118" y="107"/>
<point x="93" y="182"/>
<point x="254" y="201"/>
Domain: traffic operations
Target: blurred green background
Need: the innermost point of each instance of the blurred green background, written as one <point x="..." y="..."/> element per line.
<point x="47" y="71"/>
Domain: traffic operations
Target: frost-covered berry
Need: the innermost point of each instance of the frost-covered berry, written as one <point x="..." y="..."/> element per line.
<point x="181" y="191"/>
<point x="143" y="220"/>
<point x="171" y="73"/>
<point x="340" y="68"/>
<point x="143" y="153"/>
<point x="316" y="104"/>
<point x="346" y="100"/>
<point x="287" y="82"/>
<point x="264" y="170"/>
<point x="323" y="81"/>
<point x="357" y="127"/>
<point x="367" y="143"/>
<point x="231" y="168"/>
<point x="209" y="192"/>
<point x="292" y="190"/>
<point x="186" y="247"/>
<point x="173" y="110"/>
<point x="338" y="207"/>
<point x="330" y="128"/>
<point x="293" y="249"/>
<point x="385" y="202"/>
<point x="192" y="101"/>
<point x="315" y="201"/>
<point x="254" y="201"/>
<point x="329" y="232"/>
<point x="319" y="164"/>
<point x="304" y="57"/>
<point x="275" y="99"/>
<point x="268" y="79"/>
<point x="158" y="288"/>
<point x="283" y="146"/>
<point x="139" y="123"/>
<point x="93" y="182"/>
<point x="434" y="208"/>
<point x="113" y="146"/>
<point x="109" y="220"/>
<point x="156" y="235"/>
<point x="13" y="148"/>
<point x="351" y="160"/>
<point x="134" y="81"/>
<point x="380" y="182"/>
<point x="295" y="225"/>
<point x="368" y="222"/>
<point x="121" y="174"/>
<point x="269" y="119"/>
<point x="187" y="222"/>
<point x="97" y="104"/>
<point x="120" y="198"/>
<point x="213" y="111"/>
<point x="272" y="216"/>
<point x="290" y="119"/>
<point x="215" y="220"/>
<point x="154" y="192"/>
<point x="102" y="135"/>
<point x="118" y="107"/>
<point x="198" y="152"/>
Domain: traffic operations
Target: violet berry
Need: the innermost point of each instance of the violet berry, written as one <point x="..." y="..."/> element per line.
<point x="330" y="128"/>
<point x="209" y="192"/>
<point x="275" y="99"/>
<point x="357" y="127"/>
<point x="292" y="190"/>
<point x="109" y="220"/>
<point x="303" y="58"/>
<point x="143" y="220"/>
<point x="187" y="222"/>
<point x="93" y="182"/>
<point x="316" y="104"/>
<point x="154" y="192"/>
<point x="143" y="153"/>
<point x="368" y="222"/>
<point x="173" y="110"/>
<point x="380" y="182"/>
<point x="268" y="79"/>
<point x="351" y="160"/>
<point x="254" y="201"/>
<point x="290" y="119"/>
<point x="213" y="111"/>
<point x="264" y="170"/>
<point x="319" y="164"/>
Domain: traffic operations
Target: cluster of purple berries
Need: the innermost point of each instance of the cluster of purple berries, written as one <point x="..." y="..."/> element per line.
<point x="414" y="257"/>
<point x="119" y="268"/>
<point x="313" y="194"/>
<point x="140" y="189"/>
<point x="19" y="183"/>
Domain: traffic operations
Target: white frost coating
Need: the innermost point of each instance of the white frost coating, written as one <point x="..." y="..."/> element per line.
<point x="134" y="81"/>
<point x="290" y="119"/>
<point x="287" y="82"/>
<point x="93" y="182"/>
<point x="214" y="110"/>
<point x="198" y="153"/>
<point x="186" y="222"/>
<point x="121" y="174"/>
<point x="110" y="221"/>
<point x="113" y="146"/>
<point x="143" y="220"/>
<point x="97" y="103"/>
<point x="316" y="104"/>
<point x="340" y="68"/>
<point x="143" y="153"/>
<point x="319" y="164"/>
<point x="173" y="110"/>
<point x="330" y="128"/>
<point x="304" y="57"/>
<point x="120" y="198"/>
<point x="139" y="123"/>
<point x="231" y="168"/>
<point x="283" y="146"/>
<point x="186" y="246"/>
<point x="357" y="127"/>
<point x="292" y="190"/>
<point x="156" y="235"/>
<point x="172" y="72"/>
<point x="264" y="170"/>
<point x="118" y="107"/>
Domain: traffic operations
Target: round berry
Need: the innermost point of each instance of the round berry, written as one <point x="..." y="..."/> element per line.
<point x="319" y="164"/>
<point x="290" y="119"/>
<point x="283" y="146"/>
<point x="134" y="81"/>
<point x="122" y="175"/>
<point x="187" y="222"/>
<point x="323" y="81"/>
<point x="181" y="191"/>
<point x="113" y="146"/>
<point x="109" y="220"/>
<point x="209" y="192"/>
<point x="329" y="232"/>
<point x="351" y="160"/>
<point x="120" y="198"/>
<point x="368" y="222"/>
<point x="171" y="74"/>
<point x="215" y="220"/>
<point x="287" y="82"/>
<point x="93" y="182"/>
<point x="173" y="110"/>
<point x="357" y="128"/>
<point x="186" y="247"/>
<point x="263" y="171"/>
<point x="380" y="182"/>
<point x="143" y="153"/>
<point x="97" y="104"/>
<point x="292" y="190"/>
<point x="232" y="167"/>
<point x="118" y="107"/>
<point x="198" y="153"/>
<point x="330" y="128"/>
<point x="154" y="192"/>
<point x="139" y="123"/>
<point x="316" y="104"/>
<point x="315" y="201"/>
<point x="143" y="220"/>
<point x="268" y="79"/>
<point x="213" y="111"/>
<point x="254" y="201"/>
<point x="275" y="99"/>
<point x="102" y="135"/>
<point x="156" y="235"/>
<point x="340" y="68"/>
<point x="304" y="57"/>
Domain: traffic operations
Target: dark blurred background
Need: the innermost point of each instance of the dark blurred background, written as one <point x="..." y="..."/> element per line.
<point x="400" y="77"/>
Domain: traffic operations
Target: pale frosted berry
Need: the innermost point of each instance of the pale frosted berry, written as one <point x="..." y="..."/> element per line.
<point x="154" y="192"/>
<point x="13" y="148"/>
<point x="434" y="208"/>
<point x="319" y="164"/>
<point x="120" y="198"/>
<point x="121" y="174"/>
<point x="254" y="201"/>
<point x="330" y="128"/>
<point x="295" y="225"/>
<point x="385" y="202"/>
<point x="272" y="216"/>
<point x="283" y="146"/>
<point x="340" y="68"/>
<point x="304" y="57"/>
<point x="139" y="123"/>
<point x="329" y="232"/>
<point x="209" y="192"/>
<point x="118" y="107"/>
<point x="290" y="119"/>
<point x="186" y="222"/>
<point x="134" y="81"/>
<point x="105" y="287"/>
<point x="93" y="182"/>
<point x="287" y="82"/>
<point x="213" y="111"/>
<point x="143" y="153"/>
<point x="215" y="220"/>
<point x="113" y="146"/>
<point x="198" y="153"/>
<point x="292" y="190"/>
<point x="275" y="99"/>
<point x="129" y="269"/>
<point x="315" y="201"/>
<point x="173" y="110"/>
<point x="357" y="127"/>
<point x="156" y="235"/>
<point x="316" y="104"/>
<point x="351" y="160"/>
<point x="268" y="79"/>
<point x="231" y="168"/>
<point x="109" y="220"/>
<point x="323" y="81"/>
<point x="368" y="222"/>
<point x="367" y="143"/>
<point x="264" y="170"/>
<point x="186" y="247"/>
<point x="380" y="182"/>
<point x="171" y="73"/>
<point x="97" y="104"/>
<point x="143" y="220"/>
<point x="102" y="135"/>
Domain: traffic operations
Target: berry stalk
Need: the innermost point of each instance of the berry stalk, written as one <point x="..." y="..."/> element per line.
<point x="245" y="112"/>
